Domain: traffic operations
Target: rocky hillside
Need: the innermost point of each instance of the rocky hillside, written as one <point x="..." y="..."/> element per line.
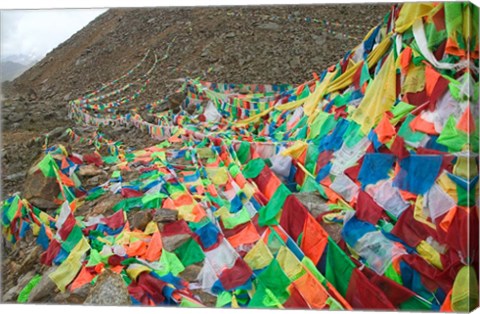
<point x="232" y="44"/>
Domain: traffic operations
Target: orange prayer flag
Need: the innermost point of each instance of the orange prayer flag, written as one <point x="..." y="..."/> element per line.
<point x="183" y="200"/>
<point x="248" y="235"/>
<point x="99" y="268"/>
<point x="431" y="79"/>
<point x="447" y="304"/>
<point x="331" y="195"/>
<point x="255" y="155"/>
<point x="452" y="48"/>
<point x="168" y="203"/>
<point x="66" y="180"/>
<point x="466" y="122"/>
<point x="137" y="248"/>
<point x="418" y="124"/>
<point x="447" y="220"/>
<point x="272" y="186"/>
<point x="385" y="130"/>
<point x="312" y="291"/>
<point x="314" y="239"/>
<point x="199" y="213"/>
<point x="83" y="278"/>
<point x="407" y="195"/>
<point x="405" y="58"/>
<point x="65" y="163"/>
<point x="240" y="180"/>
<point x="211" y="189"/>
<point x="154" y="249"/>
<point x="117" y="269"/>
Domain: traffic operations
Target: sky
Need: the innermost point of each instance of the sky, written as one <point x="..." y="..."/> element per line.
<point x="34" y="33"/>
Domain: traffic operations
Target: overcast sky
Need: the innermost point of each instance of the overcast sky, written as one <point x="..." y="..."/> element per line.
<point x="36" y="32"/>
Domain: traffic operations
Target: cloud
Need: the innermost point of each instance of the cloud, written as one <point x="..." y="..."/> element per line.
<point x="34" y="33"/>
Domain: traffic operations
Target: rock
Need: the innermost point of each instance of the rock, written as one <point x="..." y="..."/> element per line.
<point x="319" y="40"/>
<point x="230" y="35"/>
<point x="206" y="298"/>
<point x="175" y="100"/>
<point x="12" y="293"/>
<point x="41" y="191"/>
<point x="15" y="117"/>
<point x="334" y="230"/>
<point x="191" y="272"/>
<point x="15" y="176"/>
<point x="103" y="206"/>
<point x="89" y="170"/>
<point x="45" y="288"/>
<point x="32" y="95"/>
<point x="151" y="20"/>
<point x="30" y="260"/>
<point x="270" y="26"/>
<point x="191" y="109"/>
<point x="244" y="90"/>
<point x="77" y="296"/>
<point x="110" y="289"/>
<point x="140" y="220"/>
<point x="295" y="62"/>
<point x="55" y="133"/>
<point x="94" y="181"/>
<point x="172" y="242"/>
<point x="79" y="61"/>
<point x="165" y="215"/>
<point x="315" y="204"/>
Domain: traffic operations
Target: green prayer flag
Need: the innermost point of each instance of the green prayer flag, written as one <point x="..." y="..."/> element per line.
<point x="190" y="253"/>
<point x="170" y="263"/>
<point x="94" y="259"/>
<point x="243" y="152"/>
<point x="12" y="210"/>
<point x="269" y="212"/>
<point x="310" y="185"/>
<point x="308" y="263"/>
<point x="353" y="134"/>
<point x="253" y="168"/>
<point x="73" y="238"/>
<point x="333" y="305"/>
<point x="235" y="219"/>
<point x="234" y="170"/>
<point x="400" y="110"/>
<point x="416" y="304"/>
<point x="275" y="279"/>
<point x="153" y="200"/>
<point x="407" y="133"/>
<point x="451" y="137"/>
<point x="47" y="166"/>
<point x="391" y="273"/>
<point x="302" y="133"/>
<point x="339" y="267"/>
<point x="95" y="194"/>
<point x="224" y="298"/>
<point x="365" y="74"/>
<point x="264" y="298"/>
<point x="25" y="293"/>
<point x="311" y="158"/>
<point x="110" y="159"/>
<point x="187" y="303"/>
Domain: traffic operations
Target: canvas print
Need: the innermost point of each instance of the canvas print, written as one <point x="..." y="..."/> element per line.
<point x="318" y="156"/>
